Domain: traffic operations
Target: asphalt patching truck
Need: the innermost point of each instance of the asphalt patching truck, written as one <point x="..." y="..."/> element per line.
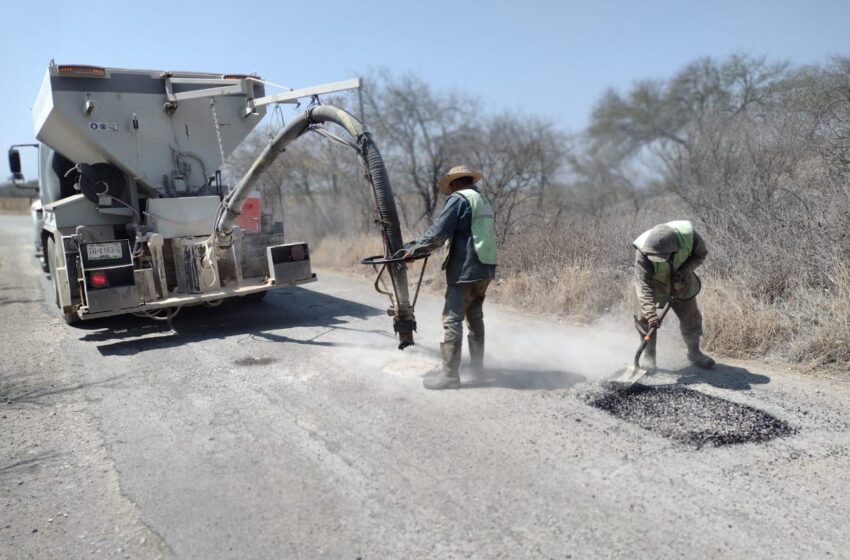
<point x="136" y="216"/>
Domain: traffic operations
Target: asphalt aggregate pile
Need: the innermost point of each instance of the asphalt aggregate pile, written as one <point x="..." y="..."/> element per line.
<point x="691" y="417"/>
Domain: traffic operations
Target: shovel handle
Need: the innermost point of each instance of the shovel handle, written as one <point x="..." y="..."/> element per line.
<point x="651" y="332"/>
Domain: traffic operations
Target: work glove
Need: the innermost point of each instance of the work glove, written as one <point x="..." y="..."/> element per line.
<point x="654" y="322"/>
<point x="409" y="250"/>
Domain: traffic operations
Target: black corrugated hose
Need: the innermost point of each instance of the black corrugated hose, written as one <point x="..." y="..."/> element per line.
<point x="404" y="322"/>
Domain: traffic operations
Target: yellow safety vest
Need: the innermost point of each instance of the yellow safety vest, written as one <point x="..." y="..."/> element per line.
<point x="483" y="225"/>
<point x="663" y="276"/>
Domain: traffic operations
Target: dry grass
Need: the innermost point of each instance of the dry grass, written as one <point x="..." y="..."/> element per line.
<point x="344" y="253"/>
<point x="15" y="205"/>
<point x="822" y="338"/>
<point x="579" y="292"/>
<point x="806" y="326"/>
<point x="739" y="323"/>
<point x="776" y="283"/>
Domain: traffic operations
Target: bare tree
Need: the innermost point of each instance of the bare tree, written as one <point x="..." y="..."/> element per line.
<point x="521" y="159"/>
<point x="420" y="130"/>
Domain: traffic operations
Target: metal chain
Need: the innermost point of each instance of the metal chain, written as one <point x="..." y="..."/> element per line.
<point x="277" y="117"/>
<point x="217" y="130"/>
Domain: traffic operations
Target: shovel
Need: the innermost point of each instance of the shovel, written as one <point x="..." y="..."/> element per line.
<point x="632" y="373"/>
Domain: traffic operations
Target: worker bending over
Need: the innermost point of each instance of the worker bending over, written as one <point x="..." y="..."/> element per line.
<point x="665" y="260"/>
<point x="467" y="223"/>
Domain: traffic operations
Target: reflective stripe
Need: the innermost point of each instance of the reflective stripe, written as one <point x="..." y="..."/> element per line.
<point x="483" y="225"/>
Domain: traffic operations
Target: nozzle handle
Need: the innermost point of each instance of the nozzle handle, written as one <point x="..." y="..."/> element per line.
<point x="380" y="259"/>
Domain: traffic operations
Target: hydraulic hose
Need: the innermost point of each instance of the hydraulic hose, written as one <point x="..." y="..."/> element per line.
<point x="404" y="322"/>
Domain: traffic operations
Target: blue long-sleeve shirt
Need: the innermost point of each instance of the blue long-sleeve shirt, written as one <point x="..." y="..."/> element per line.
<point x="455" y="222"/>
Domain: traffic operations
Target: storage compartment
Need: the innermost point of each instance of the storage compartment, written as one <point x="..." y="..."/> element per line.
<point x="289" y="263"/>
<point x="189" y="216"/>
<point x="194" y="274"/>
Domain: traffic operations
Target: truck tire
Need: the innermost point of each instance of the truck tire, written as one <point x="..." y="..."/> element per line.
<point x="41" y="255"/>
<point x="53" y="262"/>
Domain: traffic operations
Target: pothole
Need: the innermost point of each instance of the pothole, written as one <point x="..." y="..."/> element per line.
<point x="254" y="361"/>
<point x="691" y="417"/>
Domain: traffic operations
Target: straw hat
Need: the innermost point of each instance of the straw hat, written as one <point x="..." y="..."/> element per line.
<point x="456" y="173"/>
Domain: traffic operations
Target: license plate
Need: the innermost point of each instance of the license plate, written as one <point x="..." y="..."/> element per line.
<point x="104" y="251"/>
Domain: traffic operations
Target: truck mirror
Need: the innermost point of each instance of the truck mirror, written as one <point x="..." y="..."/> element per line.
<point x="15" y="162"/>
<point x="15" y="166"/>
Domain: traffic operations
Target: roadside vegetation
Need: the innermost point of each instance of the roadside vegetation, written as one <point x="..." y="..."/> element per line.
<point x="17" y="200"/>
<point x="755" y="153"/>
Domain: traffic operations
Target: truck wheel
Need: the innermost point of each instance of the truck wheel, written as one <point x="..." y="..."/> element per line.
<point x="41" y="255"/>
<point x="53" y="262"/>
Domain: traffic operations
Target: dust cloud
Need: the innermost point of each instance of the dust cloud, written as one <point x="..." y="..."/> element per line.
<point x="522" y="352"/>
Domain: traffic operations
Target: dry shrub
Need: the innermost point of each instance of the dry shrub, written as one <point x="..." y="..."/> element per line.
<point x="344" y="254"/>
<point x="823" y="316"/>
<point x="15" y="205"/>
<point x="737" y="321"/>
<point x="576" y="291"/>
<point x="580" y="291"/>
<point x="808" y="326"/>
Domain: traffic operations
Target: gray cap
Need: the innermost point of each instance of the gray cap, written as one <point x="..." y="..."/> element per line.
<point x="658" y="243"/>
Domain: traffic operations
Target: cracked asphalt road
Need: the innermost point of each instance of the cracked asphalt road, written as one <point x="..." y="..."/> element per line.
<point x="292" y="428"/>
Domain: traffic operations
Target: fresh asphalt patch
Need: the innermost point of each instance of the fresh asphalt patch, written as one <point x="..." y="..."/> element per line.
<point x="691" y="417"/>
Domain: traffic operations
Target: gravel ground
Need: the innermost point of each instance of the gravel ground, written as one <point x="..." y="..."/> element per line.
<point x="293" y="428"/>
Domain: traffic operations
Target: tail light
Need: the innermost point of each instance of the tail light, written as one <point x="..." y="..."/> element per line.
<point x="98" y="279"/>
<point x="297" y="253"/>
<point x="249" y="219"/>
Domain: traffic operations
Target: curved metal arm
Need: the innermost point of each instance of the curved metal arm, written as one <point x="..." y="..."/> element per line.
<point x="404" y="322"/>
<point x="380" y="259"/>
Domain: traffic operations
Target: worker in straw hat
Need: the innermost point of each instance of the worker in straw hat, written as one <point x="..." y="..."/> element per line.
<point x="466" y="222"/>
<point x="666" y="256"/>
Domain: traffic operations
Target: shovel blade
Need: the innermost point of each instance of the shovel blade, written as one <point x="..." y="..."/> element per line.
<point x="627" y="376"/>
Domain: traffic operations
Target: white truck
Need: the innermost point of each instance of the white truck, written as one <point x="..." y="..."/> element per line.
<point x="136" y="218"/>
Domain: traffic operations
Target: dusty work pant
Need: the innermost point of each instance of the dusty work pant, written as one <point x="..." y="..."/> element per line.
<point x="690" y="320"/>
<point x="464" y="301"/>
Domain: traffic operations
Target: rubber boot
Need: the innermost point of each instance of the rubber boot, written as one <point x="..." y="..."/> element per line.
<point x="696" y="357"/>
<point x="448" y="377"/>
<point x="476" y="355"/>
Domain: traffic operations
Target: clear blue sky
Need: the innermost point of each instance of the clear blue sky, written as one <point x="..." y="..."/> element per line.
<point x="551" y="58"/>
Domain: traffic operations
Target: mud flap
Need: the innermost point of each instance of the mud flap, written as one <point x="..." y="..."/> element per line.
<point x="289" y="263"/>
